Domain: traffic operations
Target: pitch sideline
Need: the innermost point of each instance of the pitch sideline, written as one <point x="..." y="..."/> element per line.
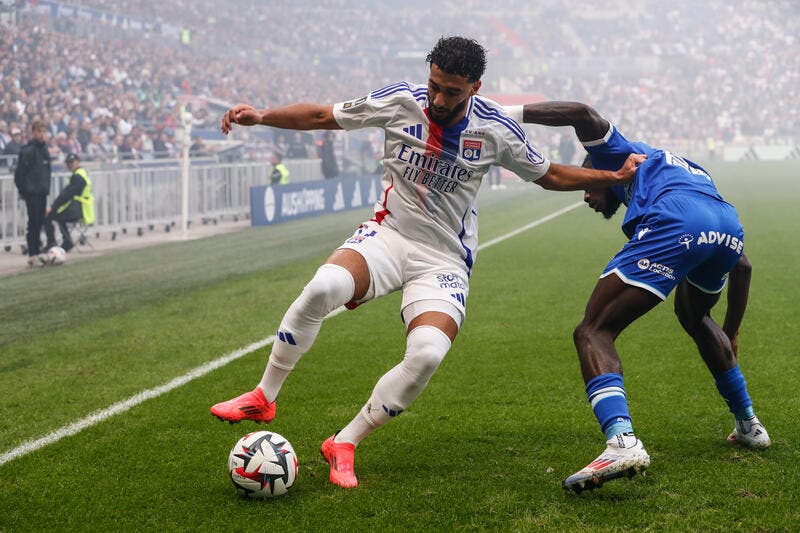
<point x="125" y="405"/>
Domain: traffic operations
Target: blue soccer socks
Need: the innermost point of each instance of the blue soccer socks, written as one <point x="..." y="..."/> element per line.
<point x="606" y="393"/>
<point x="733" y="388"/>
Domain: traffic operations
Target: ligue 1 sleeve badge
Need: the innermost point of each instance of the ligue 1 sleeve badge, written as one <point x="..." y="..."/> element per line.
<point x="471" y="150"/>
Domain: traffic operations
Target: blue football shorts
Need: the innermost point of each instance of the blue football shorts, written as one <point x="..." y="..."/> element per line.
<point x="683" y="235"/>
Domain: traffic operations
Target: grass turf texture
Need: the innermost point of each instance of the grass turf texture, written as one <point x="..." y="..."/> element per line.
<point x="486" y="446"/>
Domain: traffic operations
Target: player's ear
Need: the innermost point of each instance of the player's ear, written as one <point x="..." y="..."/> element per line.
<point x="475" y="87"/>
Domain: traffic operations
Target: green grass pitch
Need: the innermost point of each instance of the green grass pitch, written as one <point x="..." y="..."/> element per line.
<point x="485" y="447"/>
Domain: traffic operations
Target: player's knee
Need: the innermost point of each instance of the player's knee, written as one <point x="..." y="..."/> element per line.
<point x="331" y="287"/>
<point x="426" y="347"/>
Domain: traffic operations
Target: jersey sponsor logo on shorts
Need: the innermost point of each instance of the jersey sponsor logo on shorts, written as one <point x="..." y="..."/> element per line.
<point x="414" y="131"/>
<point x="642" y="233"/>
<point x="471" y="149"/>
<point x="721" y="239"/>
<point x="658" y="268"/>
<point x="686" y="239"/>
<point x="450" y="281"/>
<point x="354" y="103"/>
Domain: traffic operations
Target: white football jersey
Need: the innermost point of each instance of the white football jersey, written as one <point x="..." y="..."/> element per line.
<point x="432" y="174"/>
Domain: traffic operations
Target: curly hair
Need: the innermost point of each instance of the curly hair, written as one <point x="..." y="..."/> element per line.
<point x="460" y="56"/>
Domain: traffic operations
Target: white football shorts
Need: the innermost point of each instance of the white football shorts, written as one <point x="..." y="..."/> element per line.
<point x="431" y="280"/>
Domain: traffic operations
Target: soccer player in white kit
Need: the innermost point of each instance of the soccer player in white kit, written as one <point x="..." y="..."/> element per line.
<point x="441" y="138"/>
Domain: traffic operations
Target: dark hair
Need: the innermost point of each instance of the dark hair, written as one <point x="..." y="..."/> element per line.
<point x="460" y="56"/>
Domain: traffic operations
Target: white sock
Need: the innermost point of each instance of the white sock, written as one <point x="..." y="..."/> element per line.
<point x="331" y="287"/>
<point x="426" y="346"/>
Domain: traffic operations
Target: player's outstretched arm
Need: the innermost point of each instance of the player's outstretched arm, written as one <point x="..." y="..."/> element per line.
<point x="738" y="292"/>
<point x="570" y="178"/>
<point x="588" y="123"/>
<point x="293" y="117"/>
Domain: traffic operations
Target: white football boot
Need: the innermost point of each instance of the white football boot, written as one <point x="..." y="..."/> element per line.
<point x="750" y="433"/>
<point x="624" y="456"/>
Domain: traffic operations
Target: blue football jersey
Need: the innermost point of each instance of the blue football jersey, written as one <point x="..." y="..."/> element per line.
<point x="662" y="172"/>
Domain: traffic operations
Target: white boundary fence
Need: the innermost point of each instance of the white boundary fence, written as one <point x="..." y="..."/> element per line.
<point x="136" y="198"/>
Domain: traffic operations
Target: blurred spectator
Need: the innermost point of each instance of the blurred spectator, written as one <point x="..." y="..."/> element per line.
<point x="95" y="150"/>
<point x="299" y="146"/>
<point x="5" y="135"/>
<point x="330" y="168"/>
<point x="85" y="133"/>
<point x="15" y="144"/>
<point x="162" y="148"/>
<point x="128" y="150"/>
<point x="198" y="148"/>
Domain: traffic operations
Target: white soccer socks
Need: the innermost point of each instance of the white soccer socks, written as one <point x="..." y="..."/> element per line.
<point x="426" y="347"/>
<point x="331" y="287"/>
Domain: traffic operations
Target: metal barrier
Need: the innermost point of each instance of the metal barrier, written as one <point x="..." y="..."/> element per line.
<point x="130" y="198"/>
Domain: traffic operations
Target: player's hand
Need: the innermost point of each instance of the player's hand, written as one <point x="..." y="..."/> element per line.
<point x="628" y="169"/>
<point x="47" y="212"/>
<point x="242" y="114"/>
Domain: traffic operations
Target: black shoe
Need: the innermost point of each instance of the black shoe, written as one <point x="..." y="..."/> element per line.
<point x="48" y="246"/>
<point x="67" y="246"/>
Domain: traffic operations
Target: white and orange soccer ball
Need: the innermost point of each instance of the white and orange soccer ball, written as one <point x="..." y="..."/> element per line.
<point x="263" y="465"/>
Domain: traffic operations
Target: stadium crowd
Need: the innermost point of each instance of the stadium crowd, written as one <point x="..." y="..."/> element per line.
<point x="115" y="93"/>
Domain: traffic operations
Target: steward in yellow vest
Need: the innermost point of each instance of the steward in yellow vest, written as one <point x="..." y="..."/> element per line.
<point x="279" y="174"/>
<point x="75" y="203"/>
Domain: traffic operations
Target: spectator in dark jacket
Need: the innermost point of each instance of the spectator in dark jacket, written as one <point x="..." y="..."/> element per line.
<point x="330" y="169"/>
<point x="15" y="144"/>
<point x="32" y="177"/>
<point x="11" y="148"/>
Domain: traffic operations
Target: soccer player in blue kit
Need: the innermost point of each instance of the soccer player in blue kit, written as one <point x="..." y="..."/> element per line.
<point x="683" y="236"/>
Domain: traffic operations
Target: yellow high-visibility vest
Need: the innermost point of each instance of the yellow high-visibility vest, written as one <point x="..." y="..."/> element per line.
<point x="86" y="199"/>
<point x="280" y="167"/>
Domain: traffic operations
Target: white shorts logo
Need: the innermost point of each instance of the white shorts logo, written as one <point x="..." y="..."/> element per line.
<point x="643" y="263"/>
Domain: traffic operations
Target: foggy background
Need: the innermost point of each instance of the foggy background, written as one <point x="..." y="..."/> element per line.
<point x="706" y="79"/>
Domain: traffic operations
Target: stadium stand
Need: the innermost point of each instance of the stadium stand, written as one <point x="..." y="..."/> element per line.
<point x="97" y="68"/>
<point x="113" y="79"/>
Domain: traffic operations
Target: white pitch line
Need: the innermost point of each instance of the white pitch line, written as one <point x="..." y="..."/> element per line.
<point x="126" y="405"/>
<point x="533" y="224"/>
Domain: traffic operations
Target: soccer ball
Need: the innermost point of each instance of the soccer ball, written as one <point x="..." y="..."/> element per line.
<point x="262" y="465"/>
<point x="56" y="256"/>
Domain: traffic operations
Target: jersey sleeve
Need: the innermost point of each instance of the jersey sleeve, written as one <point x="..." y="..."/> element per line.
<point x="374" y="110"/>
<point x="518" y="156"/>
<point x="611" y="151"/>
